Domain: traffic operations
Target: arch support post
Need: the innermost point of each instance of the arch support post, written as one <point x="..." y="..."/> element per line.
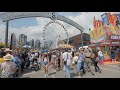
<point x="6" y="34"/>
<point x="81" y="38"/>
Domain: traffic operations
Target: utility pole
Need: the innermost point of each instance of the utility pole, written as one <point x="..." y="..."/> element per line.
<point x="82" y="38"/>
<point x="6" y="34"/>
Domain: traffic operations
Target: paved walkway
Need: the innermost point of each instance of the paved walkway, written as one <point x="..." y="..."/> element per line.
<point x="108" y="71"/>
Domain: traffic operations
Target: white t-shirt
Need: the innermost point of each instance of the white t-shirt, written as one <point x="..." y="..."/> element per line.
<point x="67" y="56"/>
<point x="54" y="56"/>
<point x="75" y="58"/>
<point x="36" y="54"/>
<point x="100" y="53"/>
<point x="45" y="60"/>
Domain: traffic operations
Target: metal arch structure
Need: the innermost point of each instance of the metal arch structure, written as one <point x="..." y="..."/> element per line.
<point x="54" y="21"/>
<point x="6" y="17"/>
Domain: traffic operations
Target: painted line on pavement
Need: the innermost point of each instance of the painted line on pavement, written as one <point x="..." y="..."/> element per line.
<point x="109" y="69"/>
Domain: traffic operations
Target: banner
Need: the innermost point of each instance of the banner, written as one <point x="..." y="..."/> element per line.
<point x="105" y="19"/>
<point x="98" y="30"/>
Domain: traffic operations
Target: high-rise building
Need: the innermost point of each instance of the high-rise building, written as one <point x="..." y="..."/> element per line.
<point x="37" y="44"/>
<point x="31" y="43"/>
<point x="22" y="40"/>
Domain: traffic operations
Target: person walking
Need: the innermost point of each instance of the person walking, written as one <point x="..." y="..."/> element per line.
<point x="54" y="61"/>
<point x="67" y="62"/>
<point x="95" y="60"/>
<point x="77" y="61"/>
<point x="59" y="59"/>
<point x="46" y="61"/>
<point x="82" y="55"/>
<point x="113" y="55"/>
<point x="101" y="57"/>
<point x="88" y="60"/>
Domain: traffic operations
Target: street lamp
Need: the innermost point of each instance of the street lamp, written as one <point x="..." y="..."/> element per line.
<point x="82" y="38"/>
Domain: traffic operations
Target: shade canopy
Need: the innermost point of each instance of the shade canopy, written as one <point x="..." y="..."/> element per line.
<point x="26" y="46"/>
<point x="65" y="46"/>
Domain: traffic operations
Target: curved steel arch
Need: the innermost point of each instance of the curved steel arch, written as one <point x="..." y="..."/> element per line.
<point x="6" y="17"/>
<point x="52" y="15"/>
<point x="58" y="24"/>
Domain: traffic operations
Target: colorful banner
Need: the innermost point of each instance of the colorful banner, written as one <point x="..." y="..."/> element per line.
<point x="104" y="18"/>
<point x="110" y="24"/>
<point x="98" y="31"/>
<point x="103" y="29"/>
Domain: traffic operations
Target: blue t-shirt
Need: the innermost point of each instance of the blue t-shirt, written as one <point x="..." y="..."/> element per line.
<point x="16" y="61"/>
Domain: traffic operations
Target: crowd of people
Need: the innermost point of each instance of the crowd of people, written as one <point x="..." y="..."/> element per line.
<point x="82" y="59"/>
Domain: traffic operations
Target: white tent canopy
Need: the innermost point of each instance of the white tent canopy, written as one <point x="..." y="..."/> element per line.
<point x="26" y="46"/>
<point x="83" y="47"/>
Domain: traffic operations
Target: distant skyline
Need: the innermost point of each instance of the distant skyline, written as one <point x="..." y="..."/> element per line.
<point x="33" y="27"/>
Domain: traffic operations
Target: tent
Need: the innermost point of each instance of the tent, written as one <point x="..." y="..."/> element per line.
<point x="65" y="46"/>
<point x="26" y="46"/>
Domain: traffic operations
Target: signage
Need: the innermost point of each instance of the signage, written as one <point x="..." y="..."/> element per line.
<point x="115" y="37"/>
<point x="105" y="43"/>
<point x="115" y="42"/>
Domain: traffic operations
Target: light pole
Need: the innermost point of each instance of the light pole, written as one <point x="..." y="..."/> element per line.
<point x="6" y="34"/>
<point x="82" y="38"/>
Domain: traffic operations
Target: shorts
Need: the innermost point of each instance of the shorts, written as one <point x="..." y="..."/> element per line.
<point x="101" y="58"/>
<point x="33" y="60"/>
<point x="113" y="56"/>
<point x="45" y="63"/>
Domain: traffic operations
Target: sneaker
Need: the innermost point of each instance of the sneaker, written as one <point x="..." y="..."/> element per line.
<point x="54" y="71"/>
<point x="66" y="76"/>
<point x="45" y="75"/>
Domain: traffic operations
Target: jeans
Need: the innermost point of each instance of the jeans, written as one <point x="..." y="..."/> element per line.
<point x="67" y="68"/>
<point x="78" y="66"/>
<point x="82" y="66"/>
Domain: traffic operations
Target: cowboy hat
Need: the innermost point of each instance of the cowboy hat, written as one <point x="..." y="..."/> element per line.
<point x="8" y="50"/>
<point x="7" y="57"/>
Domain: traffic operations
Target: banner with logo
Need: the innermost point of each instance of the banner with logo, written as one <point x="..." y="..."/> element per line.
<point x="98" y="34"/>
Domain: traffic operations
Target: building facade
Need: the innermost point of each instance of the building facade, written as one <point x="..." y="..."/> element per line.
<point x="76" y="40"/>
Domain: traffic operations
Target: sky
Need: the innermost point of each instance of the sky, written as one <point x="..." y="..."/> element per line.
<point x="33" y="27"/>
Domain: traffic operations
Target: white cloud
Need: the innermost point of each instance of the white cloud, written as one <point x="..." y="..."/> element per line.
<point x="85" y="19"/>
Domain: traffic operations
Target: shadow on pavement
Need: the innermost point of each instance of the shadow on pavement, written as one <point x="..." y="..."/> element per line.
<point x="25" y="77"/>
<point x="72" y="68"/>
<point x="73" y="75"/>
<point x="52" y="73"/>
<point x="25" y="71"/>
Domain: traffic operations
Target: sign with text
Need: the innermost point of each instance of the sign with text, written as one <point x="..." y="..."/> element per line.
<point x="115" y="42"/>
<point x="115" y="37"/>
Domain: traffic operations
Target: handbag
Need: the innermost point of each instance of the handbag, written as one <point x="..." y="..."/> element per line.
<point x="97" y="59"/>
<point x="76" y="62"/>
